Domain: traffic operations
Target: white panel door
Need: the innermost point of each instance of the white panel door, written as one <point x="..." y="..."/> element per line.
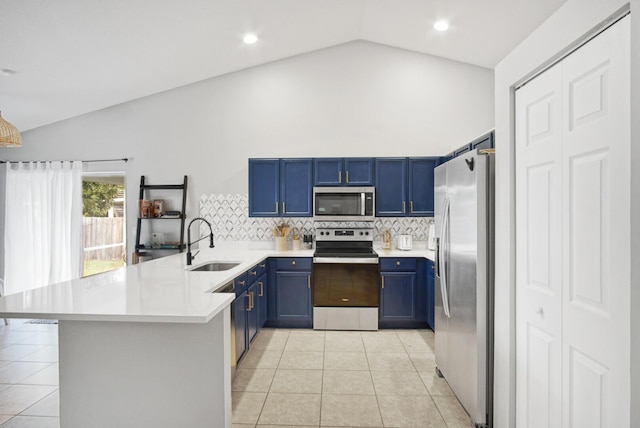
<point x="572" y="232"/>
<point x="538" y="246"/>
<point x="596" y="227"/>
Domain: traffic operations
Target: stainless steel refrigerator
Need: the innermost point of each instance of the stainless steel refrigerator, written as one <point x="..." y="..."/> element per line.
<point x="464" y="280"/>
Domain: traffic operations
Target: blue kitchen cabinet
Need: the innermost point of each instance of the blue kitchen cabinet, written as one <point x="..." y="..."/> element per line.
<point x="391" y="187"/>
<point x="343" y="172"/>
<point x="264" y="187"/>
<point x="358" y="171"/>
<point x="398" y="296"/>
<point x="484" y="142"/>
<point x="261" y="300"/>
<point x="239" y="309"/>
<point x="327" y="171"/>
<point x="289" y="297"/>
<point x="296" y="178"/>
<point x="461" y="150"/>
<point x="403" y="292"/>
<point x="404" y="186"/>
<point x="280" y="187"/>
<point x="253" y="313"/>
<point x="421" y="185"/>
<point x="431" y="294"/>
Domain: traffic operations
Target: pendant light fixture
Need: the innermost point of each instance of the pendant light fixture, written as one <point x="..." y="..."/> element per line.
<point x="9" y="134"/>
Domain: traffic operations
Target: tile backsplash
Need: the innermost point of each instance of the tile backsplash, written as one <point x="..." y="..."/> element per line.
<point x="229" y="217"/>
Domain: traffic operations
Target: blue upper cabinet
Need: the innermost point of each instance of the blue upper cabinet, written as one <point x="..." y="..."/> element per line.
<point x="327" y="172"/>
<point x="404" y="187"/>
<point x="343" y="172"/>
<point x="391" y="185"/>
<point x="358" y="171"/>
<point x="296" y="178"/>
<point x="280" y="187"/>
<point x="484" y="142"/>
<point x="264" y="187"/>
<point x="421" y="184"/>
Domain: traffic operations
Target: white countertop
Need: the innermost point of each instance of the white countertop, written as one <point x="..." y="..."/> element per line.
<point x="160" y="290"/>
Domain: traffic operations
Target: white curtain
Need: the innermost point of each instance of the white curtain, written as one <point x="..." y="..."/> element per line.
<point x="43" y="224"/>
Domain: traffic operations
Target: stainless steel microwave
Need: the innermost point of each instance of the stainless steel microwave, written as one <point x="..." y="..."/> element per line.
<point x="344" y="203"/>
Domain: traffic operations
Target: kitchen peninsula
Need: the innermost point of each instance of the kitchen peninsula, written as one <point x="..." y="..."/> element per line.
<point x="147" y="345"/>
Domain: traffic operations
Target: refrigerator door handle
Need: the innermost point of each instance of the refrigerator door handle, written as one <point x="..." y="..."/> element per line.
<point x="438" y="257"/>
<point x="442" y="260"/>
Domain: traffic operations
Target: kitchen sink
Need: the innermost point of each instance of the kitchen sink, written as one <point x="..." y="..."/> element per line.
<point x="215" y="266"/>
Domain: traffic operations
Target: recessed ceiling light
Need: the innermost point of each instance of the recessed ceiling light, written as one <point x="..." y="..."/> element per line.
<point x="250" y="39"/>
<point x="441" y="25"/>
<point x="7" y="72"/>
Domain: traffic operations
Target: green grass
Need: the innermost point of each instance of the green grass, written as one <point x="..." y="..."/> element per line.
<point x="91" y="267"/>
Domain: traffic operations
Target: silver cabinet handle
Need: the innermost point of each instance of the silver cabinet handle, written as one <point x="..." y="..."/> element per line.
<point x="347" y="177"/>
<point x="339" y="176"/>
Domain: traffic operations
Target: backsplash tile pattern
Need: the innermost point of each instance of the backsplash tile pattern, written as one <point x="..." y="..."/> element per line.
<point x="229" y="217"/>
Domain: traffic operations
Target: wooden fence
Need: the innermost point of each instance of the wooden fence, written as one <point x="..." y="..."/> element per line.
<point x="103" y="238"/>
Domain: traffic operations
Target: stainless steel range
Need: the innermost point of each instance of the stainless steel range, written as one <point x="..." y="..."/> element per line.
<point x="345" y="280"/>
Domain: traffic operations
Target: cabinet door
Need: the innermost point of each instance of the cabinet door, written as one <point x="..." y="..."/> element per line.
<point x="264" y="179"/>
<point x="421" y="186"/>
<point x="253" y="312"/>
<point x="358" y="172"/>
<point x="397" y="296"/>
<point x="391" y="179"/>
<point x="461" y="150"/>
<point x="484" y="142"/>
<point x="293" y="296"/>
<point x="261" y="300"/>
<point x="240" y="324"/>
<point x="431" y="295"/>
<point x="296" y="187"/>
<point x="328" y="172"/>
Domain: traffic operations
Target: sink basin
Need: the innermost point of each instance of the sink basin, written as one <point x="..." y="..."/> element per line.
<point x="215" y="266"/>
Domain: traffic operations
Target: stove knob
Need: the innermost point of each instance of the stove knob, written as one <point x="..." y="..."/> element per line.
<point x="361" y="233"/>
<point x="366" y="233"/>
<point x="321" y="233"/>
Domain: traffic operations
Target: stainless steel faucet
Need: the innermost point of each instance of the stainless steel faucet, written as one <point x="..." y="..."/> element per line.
<point x="190" y="256"/>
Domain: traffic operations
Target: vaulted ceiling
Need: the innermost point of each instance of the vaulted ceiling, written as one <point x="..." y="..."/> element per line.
<point x="71" y="57"/>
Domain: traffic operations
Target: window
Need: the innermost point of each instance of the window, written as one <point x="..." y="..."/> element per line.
<point x="103" y="222"/>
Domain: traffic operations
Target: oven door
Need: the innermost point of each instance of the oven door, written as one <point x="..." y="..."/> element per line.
<point x="346" y="282"/>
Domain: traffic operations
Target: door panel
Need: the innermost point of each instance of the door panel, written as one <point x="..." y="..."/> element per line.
<point x="596" y="218"/>
<point x="538" y="245"/>
<point x="572" y="239"/>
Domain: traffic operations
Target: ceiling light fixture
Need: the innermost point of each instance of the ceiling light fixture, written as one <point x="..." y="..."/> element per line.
<point x="9" y="134"/>
<point x="250" y="39"/>
<point x="7" y="72"/>
<point x="441" y="25"/>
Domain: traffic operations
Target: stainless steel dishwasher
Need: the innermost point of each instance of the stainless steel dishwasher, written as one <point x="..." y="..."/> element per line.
<point x="230" y="288"/>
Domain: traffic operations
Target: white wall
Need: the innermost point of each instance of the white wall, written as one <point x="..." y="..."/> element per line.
<point x="356" y="99"/>
<point x="567" y="25"/>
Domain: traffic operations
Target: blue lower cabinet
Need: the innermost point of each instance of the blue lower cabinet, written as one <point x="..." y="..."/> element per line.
<point x="289" y="297"/>
<point x="261" y="300"/>
<point x="397" y="296"/>
<point x="431" y="294"/>
<point x="240" y="324"/>
<point x="403" y="292"/>
<point x="293" y="297"/>
<point x="253" y="313"/>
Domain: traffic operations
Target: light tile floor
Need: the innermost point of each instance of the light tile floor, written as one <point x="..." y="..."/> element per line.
<point x="29" y="375"/>
<point x="305" y="378"/>
<point x="292" y="378"/>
